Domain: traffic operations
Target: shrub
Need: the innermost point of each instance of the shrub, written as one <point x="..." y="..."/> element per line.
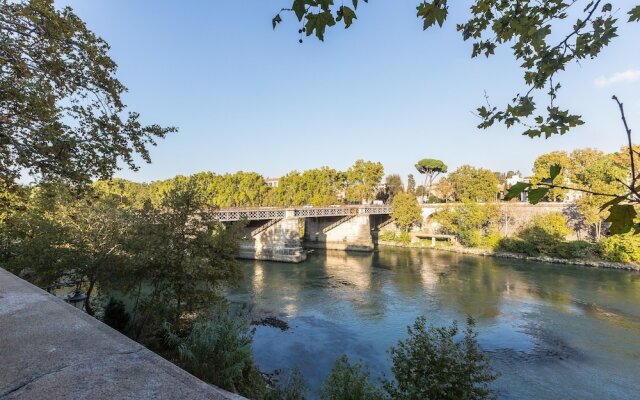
<point x="431" y="364"/>
<point x="291" y="387"/>
<point x="348" y="381"/>
<point x="387" y="236"/>
<point x="545" y="231"/>
<point x="492" y="241"/>
<point x="621" y="248"/>
<point x="575" y="249"/>
<point x="116" y="316"/>
<point x="514" y="245"/>
<point x="404" y="238"/>
<point x="218" y="351"/>
<point x="468" y="222"/>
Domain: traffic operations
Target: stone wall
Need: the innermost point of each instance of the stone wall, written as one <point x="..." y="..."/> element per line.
<point x="276" y="241"/>
<point x="353" y="233"/>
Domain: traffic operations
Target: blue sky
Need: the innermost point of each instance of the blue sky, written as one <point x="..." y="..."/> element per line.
<point x="247" y="98"/>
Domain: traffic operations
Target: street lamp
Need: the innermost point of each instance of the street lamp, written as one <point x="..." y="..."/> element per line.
<point x="77" y="299"/>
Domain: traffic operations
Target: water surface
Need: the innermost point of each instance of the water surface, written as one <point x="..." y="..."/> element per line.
<point x="552" y="331"/>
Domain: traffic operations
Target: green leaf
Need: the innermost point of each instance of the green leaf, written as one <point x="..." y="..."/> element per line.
<point x="554" y="171"/>
<point x="515" y="190"/>
<point x="621" y="217"/>
<point x="318" y="23"/>
<point x="355" y="4"/>
<point x="276" y="20"/>
<point x="634" y="14"/>
<point x="537" y="194"/>
<point x="299" y="7"/>
<point x="606" y="7"/>
<point x="349" y="15"/>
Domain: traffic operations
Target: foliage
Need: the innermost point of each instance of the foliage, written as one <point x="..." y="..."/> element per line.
<point x="468" y="221"/>
<point x="541" y="172"/>
<point x="406" y="211"/>
<point x="363" y="178"/>
<point x="61" y="111"/>
<point x="621" y="248"/>
<point x="404" y="238"/>
<point x="388" y="236"/>
<point x="64" y="236"/>
<point x="291" y="387"/>
<point x="545" y="231"/>
<point x="545" y="38"/>
<point x="621" y="191"/>
<point x="394" y="185"/>
<point x="411" y="184"/>
<point x="575" y="249"/>
<point x="519" y="246"/>
<point x="183" y="259"/>
<point x="445" y="189"/>
<point x="116" y="316"/>
<point x="474" y="184"/>
<point x="431" y="364"/>
<point x="431" y="168"/>
<point x="218" y="351"/>
<point x="348" y="381"/>
<point x="317" y="187"/>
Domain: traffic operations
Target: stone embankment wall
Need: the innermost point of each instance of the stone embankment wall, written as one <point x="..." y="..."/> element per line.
<point x="339" y="233"/>
<point x="275" y="240"/>
<point x="513" y="216"/>
<point x="50" y="350"/>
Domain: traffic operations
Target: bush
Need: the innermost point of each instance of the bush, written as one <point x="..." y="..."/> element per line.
<point x="291" y="387"/>
<point x="575" y="249"/>
<point x="621" y="248"/>
<point x="218" y="351"/>
<point x="404" y="238"/>
<point x="349" y="382"/>
<point x="545" y="231"/>
<point x="387" y="236"/>
<point x="519" y="246"/>
<point x="116" y="316"/>
<point x="468" y="221"/>
<point x="492" y="241"/>
<point x="431" y="364"/>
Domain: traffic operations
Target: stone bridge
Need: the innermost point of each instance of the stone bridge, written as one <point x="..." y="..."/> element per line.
<point x="279" y="233"/>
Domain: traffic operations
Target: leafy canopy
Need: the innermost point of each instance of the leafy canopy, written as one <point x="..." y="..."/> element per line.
<point x="61" y="109"/>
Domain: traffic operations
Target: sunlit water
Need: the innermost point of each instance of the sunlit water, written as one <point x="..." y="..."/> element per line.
<point x="552" y="331"/>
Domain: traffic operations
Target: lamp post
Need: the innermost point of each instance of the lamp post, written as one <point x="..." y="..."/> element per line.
<point x="77" y="298"/>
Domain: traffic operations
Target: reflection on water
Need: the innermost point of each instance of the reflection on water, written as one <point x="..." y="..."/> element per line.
<point x="552" y="331"/>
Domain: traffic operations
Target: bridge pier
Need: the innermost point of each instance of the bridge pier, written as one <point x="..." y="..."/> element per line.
<point x="273" y="240"/>
<point x="352" y="232"/>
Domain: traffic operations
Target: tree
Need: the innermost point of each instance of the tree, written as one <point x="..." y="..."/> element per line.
<point x="469" y="222"/>
<point x="363" y="178"/>
<point x="544" y="37"/>
<point x="349" y="381"/>
<point x="541" y="172"/>
<point x="394" y="185"/>
<point x="406" y="211"/>
<point x="411" y="184"/>
<point x="545" y="231"/>
<point x="61" y="236"/>
<point x="445" y="189"/>
<point x="474" y="184"/>
<point x="431" y="364"/>
<point x="182" y="261"/>
<point x="431" y="169"/>
<point x="61" y="111"/>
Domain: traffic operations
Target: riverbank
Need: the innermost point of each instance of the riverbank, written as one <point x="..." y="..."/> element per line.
<point x="502" y="254"/>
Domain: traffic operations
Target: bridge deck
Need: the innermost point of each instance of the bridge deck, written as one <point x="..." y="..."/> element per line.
<point x="267" y="213"/>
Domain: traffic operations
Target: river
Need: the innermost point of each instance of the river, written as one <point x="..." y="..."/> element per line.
<point x="552" y="331"/>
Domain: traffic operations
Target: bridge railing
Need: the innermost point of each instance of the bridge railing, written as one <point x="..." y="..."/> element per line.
<point x="267" y="213"/>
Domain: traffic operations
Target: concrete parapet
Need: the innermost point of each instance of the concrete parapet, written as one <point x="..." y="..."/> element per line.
<point x="50" y="350"/>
